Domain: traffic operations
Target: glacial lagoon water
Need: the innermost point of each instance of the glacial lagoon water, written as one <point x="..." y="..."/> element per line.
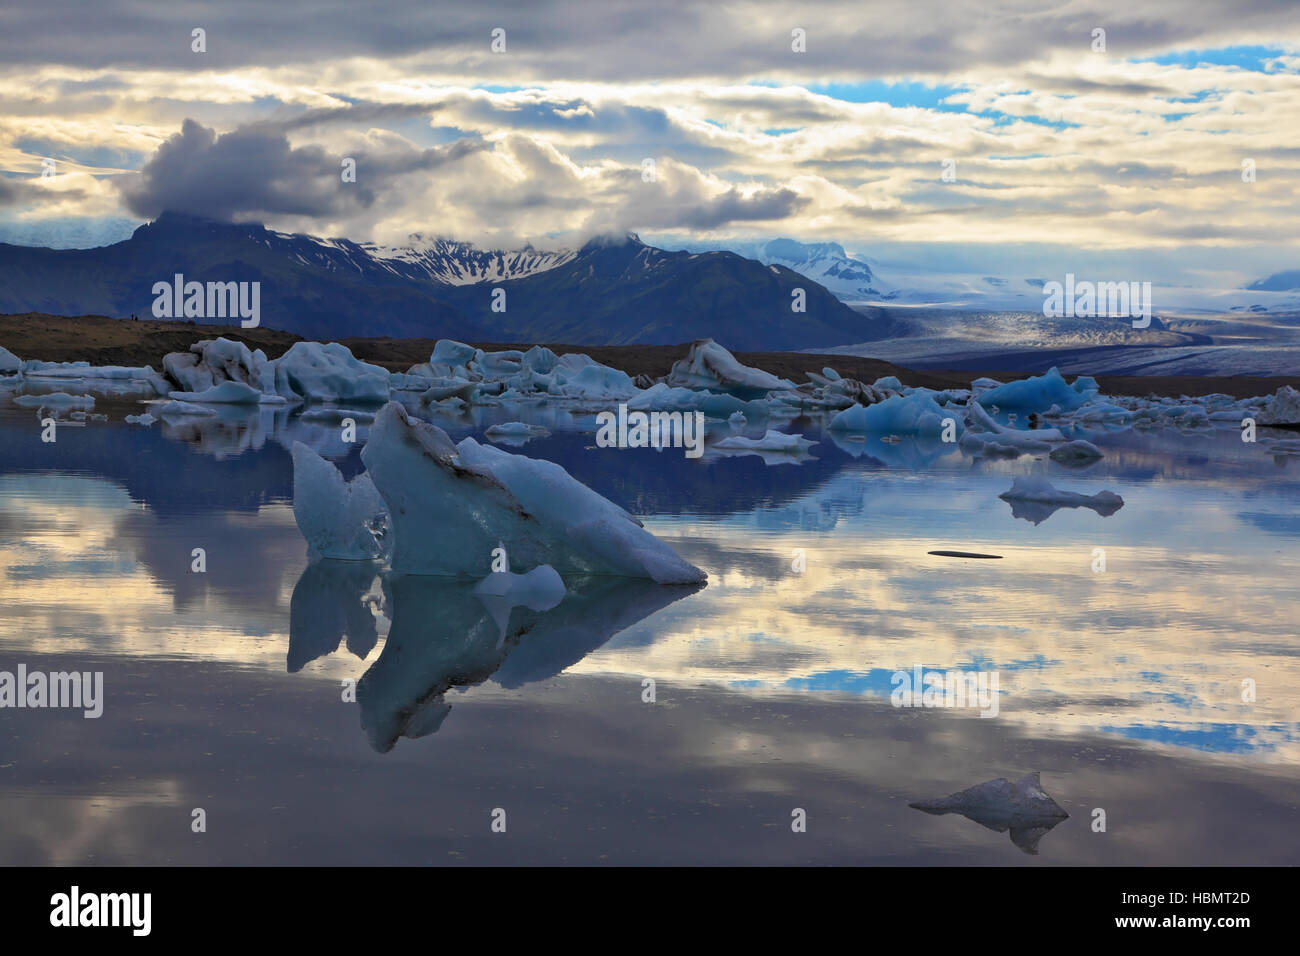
<point x="1128" y="689"/>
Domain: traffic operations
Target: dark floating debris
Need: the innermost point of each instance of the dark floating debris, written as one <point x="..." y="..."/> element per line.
<point x="963" y="554"/>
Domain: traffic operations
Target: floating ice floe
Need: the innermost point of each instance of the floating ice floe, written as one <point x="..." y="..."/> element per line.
<point x="516" y="432"/>
<point x="900" y="415"/>
<point x="984" y="436"/>
<point x="1034" y="498"/>
<point x="1039" y="393"/>
<point x="343" y="520"/>
<point x="661" y="397"/>
<point x="709" y="366"/>
<point x="35" y="368"/>
<point x="227" y="393"/>
<point x="1023" y="807"/>
<point x="54" y="400"/>
<point x="1102" y="412"/>
<point x="772" y="441"/>
<point x="145" y="419"/>
<point x="442" y="389"/>
<point x="451" y="505"/>
<point x="176" y="409"/>
<point x="333" y="414"/>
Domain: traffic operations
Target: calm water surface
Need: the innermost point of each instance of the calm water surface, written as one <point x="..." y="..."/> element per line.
<point x="224" y="689"/>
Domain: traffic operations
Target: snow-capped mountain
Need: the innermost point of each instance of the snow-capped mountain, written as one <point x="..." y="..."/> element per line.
<point x="459" y="263"/>
<point x="851" y="280"/>
<point x="613" y="290"/>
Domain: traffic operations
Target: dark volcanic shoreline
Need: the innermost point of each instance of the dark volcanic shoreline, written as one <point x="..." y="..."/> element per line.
<point x="101" y="340"/>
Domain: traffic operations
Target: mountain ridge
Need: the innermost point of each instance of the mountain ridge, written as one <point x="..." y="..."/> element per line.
<point x="613" y="290"/>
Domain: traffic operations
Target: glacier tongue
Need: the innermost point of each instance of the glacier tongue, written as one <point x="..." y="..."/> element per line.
<point x="452" y="505"/>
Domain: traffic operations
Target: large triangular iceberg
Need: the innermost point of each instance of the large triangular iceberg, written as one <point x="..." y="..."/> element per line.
<point x="451" y="506"/>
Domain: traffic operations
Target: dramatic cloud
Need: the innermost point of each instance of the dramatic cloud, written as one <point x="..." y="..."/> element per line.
<point x="255" y="172"/>
<point x="900" y="124"/>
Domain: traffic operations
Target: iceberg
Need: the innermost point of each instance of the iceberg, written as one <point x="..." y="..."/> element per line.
<point x="1282" y="409"/>
<point x="445" y="388"/>
<point x="212" y="361"/>
<point x="662" y="398"/>
<point x="177" y="409"/>
<point x="516" y="431"/>
<point x="34" y="368"/>
<point x="326" y="413"/>
<point x="595" y="382"/>
<point x="342" y="520"/>
<point x="709" y="366"/>
<point x="1104" y="412"/>
<point x="452" y="505"/>
<point x="452" y="353"/>
<point x="772" y="441"/>
<point x="54" y="400"/>
<point x="1039" y="393"/>
<point x="313" y="372"/>
<point x="227" y="393"/>
<point x="539" y="359"/>
<point x="986" y="437"/>
<point x="10" y="364"/>
<point x="899" y="415"/>
<point x="498" y="364"/>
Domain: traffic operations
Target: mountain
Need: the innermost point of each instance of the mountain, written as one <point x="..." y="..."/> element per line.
<point x="612" y="291"/>
<point x="620" y="291"/>
<point x="315" y="287"/>
<point x="851" y="280"/>
<point x="1288" y="281"/>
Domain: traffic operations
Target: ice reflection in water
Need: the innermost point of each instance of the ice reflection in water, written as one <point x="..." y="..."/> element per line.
<point x="1142" y="663"/>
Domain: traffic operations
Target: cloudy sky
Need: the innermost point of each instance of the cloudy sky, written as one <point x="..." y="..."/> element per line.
<point x="1055" y="147"/>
